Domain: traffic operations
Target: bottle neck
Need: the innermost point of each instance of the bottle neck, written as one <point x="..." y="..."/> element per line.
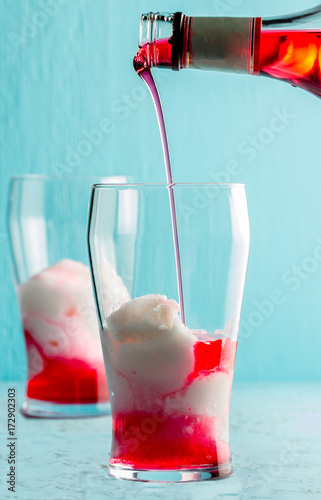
<point x="177" y="41"/>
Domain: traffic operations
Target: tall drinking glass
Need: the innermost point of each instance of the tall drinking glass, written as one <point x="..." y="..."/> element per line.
<point x="47" y="220"/>
<point x="169" y="382"/>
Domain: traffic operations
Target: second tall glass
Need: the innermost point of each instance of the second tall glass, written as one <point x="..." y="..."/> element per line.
<point x="47" y="221"/>
<point x="169" y="382"/>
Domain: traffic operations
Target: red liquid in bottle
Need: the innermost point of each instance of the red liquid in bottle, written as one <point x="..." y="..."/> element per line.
<point x="292" y="56"/>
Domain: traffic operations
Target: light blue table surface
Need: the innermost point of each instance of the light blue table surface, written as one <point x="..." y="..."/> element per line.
<point x="275" y="439"/>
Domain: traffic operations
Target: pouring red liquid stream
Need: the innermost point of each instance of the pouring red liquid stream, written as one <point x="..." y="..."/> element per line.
<point x="146" y="75"/>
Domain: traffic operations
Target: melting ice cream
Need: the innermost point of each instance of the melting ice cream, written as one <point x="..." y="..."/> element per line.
<point x="175" y="379"/>
<point x="65" y="362"/>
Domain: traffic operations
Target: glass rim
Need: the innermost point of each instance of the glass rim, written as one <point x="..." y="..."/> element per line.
<point x="164" y="184"/>
<point x="42" y="177"/>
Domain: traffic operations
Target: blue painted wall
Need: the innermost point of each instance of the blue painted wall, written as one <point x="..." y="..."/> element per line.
<point x="66" y="65"/>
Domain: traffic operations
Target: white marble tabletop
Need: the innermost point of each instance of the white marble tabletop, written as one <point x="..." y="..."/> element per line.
<point x="275" y="441"/>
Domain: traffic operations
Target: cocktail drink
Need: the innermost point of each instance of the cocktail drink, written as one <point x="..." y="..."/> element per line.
<point x="170" y="389"/>
<point x="170" y="381"/>
<point x="65" y="364"/>
<point x="65" y="374"/>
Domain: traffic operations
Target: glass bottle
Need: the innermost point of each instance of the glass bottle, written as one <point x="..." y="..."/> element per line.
<point x="287" y="48"/>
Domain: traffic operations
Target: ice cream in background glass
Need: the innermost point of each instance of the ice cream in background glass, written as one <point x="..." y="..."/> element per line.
<point x="170" y="382"/>
<point x="47" y="220"/>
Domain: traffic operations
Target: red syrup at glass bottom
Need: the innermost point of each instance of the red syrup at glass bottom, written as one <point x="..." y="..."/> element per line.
<point x="61" y="380"/>
<point x="171" y="437"/>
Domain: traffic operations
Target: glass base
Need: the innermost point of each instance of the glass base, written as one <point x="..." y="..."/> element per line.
<point x="172" y="476"/>
<point x="48" y="409"/>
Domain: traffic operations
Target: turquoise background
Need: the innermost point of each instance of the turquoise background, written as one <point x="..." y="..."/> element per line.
<point x="65" y="71"/>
